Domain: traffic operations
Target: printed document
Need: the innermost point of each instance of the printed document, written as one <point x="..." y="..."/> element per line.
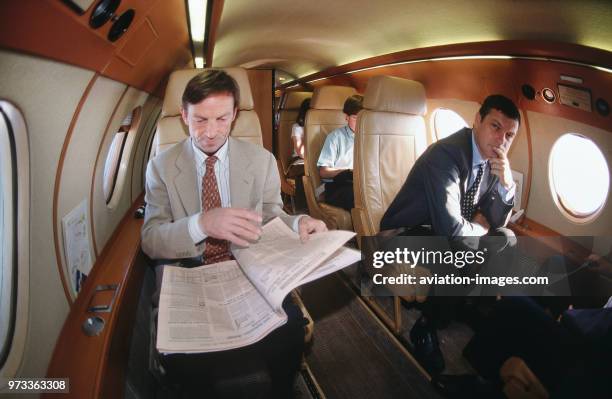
<point x="236" y="303"/>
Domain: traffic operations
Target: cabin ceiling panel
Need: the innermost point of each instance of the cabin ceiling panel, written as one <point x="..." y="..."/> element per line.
<point x="305" y="37"/>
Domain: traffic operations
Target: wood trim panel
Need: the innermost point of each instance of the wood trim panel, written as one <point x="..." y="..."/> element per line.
<point x="215" y="19"/>
<point x="525" y="195"/>
<point x="50" y="29"/>
<point x="474" y="79"/>
<point x="97" y="365"/>
<point x="170" y="50"/>
<point x="261" y="87"/>
<point x="93" y="175"/>
<point x="529" y="48"/>
<point x="58" y="180"/>
<point x="132" y="51"/>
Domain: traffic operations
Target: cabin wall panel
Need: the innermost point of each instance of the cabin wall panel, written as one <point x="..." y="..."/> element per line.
<point x="518" y="155"/>
<point x="546" y="130"/>
<point x="81" y="152"/>
<point x="107" y="219"/>
<point x="47" y="93"/>
<point x="151" y="111"/>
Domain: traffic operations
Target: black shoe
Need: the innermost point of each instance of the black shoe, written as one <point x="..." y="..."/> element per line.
<point x="426" y="347"/>
<point x="466" y="386"/>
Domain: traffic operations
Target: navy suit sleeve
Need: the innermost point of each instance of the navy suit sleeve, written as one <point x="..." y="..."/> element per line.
<point x="494" y="208"/>
<point x="436" y="180"/>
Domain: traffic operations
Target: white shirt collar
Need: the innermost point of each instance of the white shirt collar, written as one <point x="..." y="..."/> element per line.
<point x="201" y="157"/>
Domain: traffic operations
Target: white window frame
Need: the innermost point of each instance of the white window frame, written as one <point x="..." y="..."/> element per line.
<point x="111" y="165"/>
<point x="433" y="121"/>
<point x="20" y="242"/>
<point x="570" y="214"/>
<point x="125" y="158"/>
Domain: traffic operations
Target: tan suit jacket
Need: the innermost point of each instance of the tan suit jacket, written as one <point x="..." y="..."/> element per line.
<point x="172" y="195"/>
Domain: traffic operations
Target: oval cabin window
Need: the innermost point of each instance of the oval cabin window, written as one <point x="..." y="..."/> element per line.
<point x="579" y="177"/>
<point x="7" y="214"/>
<point x="113" y="158"/>
<point x="118" y="157"/>
<point x="447" y="122"/>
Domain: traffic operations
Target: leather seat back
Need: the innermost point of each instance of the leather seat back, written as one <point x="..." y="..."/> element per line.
<point x="391" y="135"/>
<point x="170" y="128"/>
<point x="325" y="115"/>
<point x="289" y="109"/>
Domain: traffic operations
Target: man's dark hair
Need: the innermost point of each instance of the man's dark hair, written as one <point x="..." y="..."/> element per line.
<point x="501" y="103"/>
<point x="353" y="105"/>
<point x="302" y="113"/>
<point x="207" y="83"/>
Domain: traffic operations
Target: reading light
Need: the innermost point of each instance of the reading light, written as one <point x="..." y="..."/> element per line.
<point x="548" y="95"/>
<point x="197" y="24"/>
<point x="197" y="19"/>
<point x="105" y="11"/>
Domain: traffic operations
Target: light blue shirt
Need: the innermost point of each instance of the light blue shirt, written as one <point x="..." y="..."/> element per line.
<point x="337" y="152"/>
<point x="477" y="160"/>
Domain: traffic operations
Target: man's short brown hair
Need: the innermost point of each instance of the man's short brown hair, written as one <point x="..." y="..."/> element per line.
<point x="208" y="83"/>
<point x="353" y="105"/>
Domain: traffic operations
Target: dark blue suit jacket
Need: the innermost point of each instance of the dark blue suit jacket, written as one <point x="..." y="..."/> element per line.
<point x="433" y="190"/>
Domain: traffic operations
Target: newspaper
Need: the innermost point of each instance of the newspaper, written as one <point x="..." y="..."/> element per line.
<point x="232" y="304"/>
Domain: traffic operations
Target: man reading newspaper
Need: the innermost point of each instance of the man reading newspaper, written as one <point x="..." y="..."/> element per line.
<point x="209" y="191"/>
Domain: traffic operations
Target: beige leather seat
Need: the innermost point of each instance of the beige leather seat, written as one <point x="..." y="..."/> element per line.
<point x="325" y="115"/>
<point x="391" y="135"/>
<point x="171" y="130"/>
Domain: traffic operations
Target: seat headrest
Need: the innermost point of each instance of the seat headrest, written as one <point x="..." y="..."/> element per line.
<point x="331" y="97"/>
<point x="178" y="80"/>
<point x="392" y="94"/>
<point x="294" y="99"/>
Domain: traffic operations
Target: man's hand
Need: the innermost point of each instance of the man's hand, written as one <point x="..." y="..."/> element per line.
<point x="238" y="226"/>
<point x="480" y="219"/>
<point x="308" y="225"/>
<point x="500" y="167"/>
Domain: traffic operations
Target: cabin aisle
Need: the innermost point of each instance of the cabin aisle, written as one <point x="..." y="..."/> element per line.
<point x="352" y="356"/>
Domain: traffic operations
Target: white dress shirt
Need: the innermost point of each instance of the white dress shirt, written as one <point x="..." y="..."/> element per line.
<point x="222" y="175"/>
<point x="477" y="160"/>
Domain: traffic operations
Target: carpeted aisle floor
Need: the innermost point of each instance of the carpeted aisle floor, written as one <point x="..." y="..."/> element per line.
<point x="352" y="356"/>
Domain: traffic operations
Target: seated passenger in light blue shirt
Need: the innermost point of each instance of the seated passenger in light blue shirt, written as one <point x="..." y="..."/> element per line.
<point x="336" y="159"/>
